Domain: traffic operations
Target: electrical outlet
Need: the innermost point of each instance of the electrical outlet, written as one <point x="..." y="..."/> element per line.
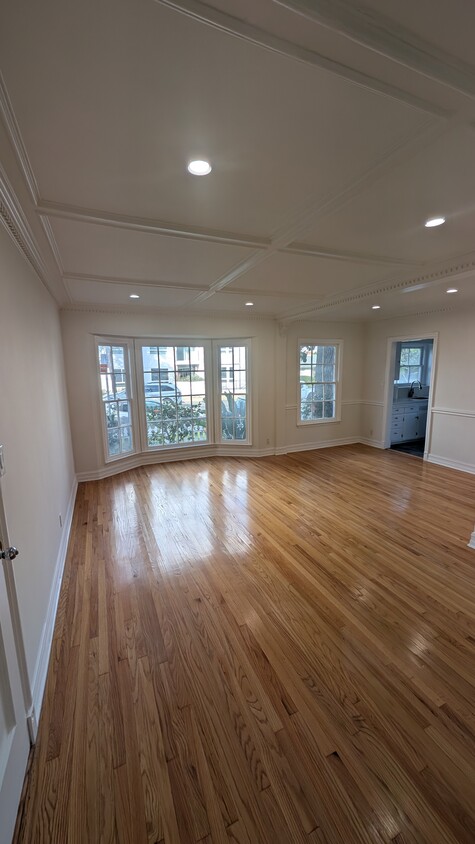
<point x="268" y="441"/>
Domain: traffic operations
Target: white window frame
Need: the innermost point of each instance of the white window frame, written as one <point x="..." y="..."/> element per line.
<point x="127" y="343"/>
<point x="217" y="346"/>
<point x="161" y="342"/>
<point x="338" y="386"/>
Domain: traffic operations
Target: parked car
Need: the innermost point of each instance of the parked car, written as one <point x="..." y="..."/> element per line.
<point x="165" y="389"/>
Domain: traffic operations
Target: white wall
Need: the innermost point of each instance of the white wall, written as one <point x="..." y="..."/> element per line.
<point x="34" y="430"/>
<point x="452" y="429"/>
<point x="79" y="328"/>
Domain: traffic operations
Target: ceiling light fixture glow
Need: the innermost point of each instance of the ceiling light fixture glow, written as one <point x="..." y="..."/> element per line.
<point x="434" y="221"/>
<point x="199" y="168"/>
<point x="249" y="304"/>
<point x="452" y="290"/>
<point x="376" y="307"/>
<point x="134" y="296"/>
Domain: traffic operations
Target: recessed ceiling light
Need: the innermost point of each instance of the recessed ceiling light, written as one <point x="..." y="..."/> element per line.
<point x="435" y="221"/>
<point x="134" y="296"/>
<point x="452" y="290"/>
<point x="376" y="307"/>
<point x="249" y="304"/>
<point x="199" y="168"/>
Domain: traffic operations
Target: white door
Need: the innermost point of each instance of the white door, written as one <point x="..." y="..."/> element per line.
<point x="14" y="738"/>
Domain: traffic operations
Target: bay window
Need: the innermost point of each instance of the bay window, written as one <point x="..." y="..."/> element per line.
<point x="159" y="394"/>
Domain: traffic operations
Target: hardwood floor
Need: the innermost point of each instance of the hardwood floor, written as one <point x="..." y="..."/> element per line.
<point x="263" y="651"/>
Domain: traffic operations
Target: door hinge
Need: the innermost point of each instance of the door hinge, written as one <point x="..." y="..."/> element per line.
<point x="32" y="727"/>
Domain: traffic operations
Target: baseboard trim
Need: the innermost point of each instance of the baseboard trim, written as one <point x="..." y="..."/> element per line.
<point x="288" y="449"/>
<point x="41" y="669"/>
<point x="451" y="464"/>
<point x="154" y="458"/>
<point x="371" y="442"/>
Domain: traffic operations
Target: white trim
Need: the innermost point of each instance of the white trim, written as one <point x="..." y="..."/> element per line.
<point x="471" y="544"/>
<point x="451" y="464"/>
<point x="46" y="208"/>
<point x="345" y="402"/>
<point x="41" y="668"/>
<point x="224" y="22"/>
<point x="287" y="449"/>
<point x="449" y="411"/>
<point x="371" y="442"/>
<point x="383" y="35"/>
<point x="371" y="403"/>
<point x="173" y="456"/>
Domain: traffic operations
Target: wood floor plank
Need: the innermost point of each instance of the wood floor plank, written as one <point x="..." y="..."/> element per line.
<point x="265" y="651"/>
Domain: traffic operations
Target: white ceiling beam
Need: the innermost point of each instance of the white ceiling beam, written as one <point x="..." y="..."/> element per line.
<point x="212" y="17"/>
<point x="380" y="34"/>
<point x="45" y="208"/>
<point x="343" y="255"/>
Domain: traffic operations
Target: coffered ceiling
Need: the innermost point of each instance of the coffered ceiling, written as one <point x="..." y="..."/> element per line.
<point x="334" y="130"/>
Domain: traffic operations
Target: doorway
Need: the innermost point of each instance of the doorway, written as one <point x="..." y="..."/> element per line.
<point x="410" y="379"/>
<point x="14" y="734"/>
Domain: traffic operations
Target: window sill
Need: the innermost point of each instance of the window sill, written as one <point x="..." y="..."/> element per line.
<point x="303" y="423"/>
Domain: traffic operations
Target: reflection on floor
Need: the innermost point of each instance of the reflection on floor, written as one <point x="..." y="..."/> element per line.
<point x="414" y="447"/>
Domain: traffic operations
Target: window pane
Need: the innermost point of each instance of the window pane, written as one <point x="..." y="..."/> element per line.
<point x="173" y="401"/>
<point x="125" y="439"/>
<point x="117" y="415"/>
<point x="414" y="356"/>
<point x="169" y="433"/>
<point x="113" y="441"/>
<point x="317" y="392"/>
<point x="112" y="414"/>
<point x="404" y="356"/>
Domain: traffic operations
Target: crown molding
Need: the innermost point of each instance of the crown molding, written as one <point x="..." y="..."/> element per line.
<point x="168" y="312"/>
<point x="432" y="276"/>
<point x="223" y="22"/>
<point x="47" y="208"/>
<point x="380" y="34"/>
<point x="17" y="226"/>
<point x="16" y="140"/>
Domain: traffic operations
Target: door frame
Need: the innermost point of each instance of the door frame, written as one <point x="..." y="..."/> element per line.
<point x="18" y="700"/>
<point x="389" y="385"/>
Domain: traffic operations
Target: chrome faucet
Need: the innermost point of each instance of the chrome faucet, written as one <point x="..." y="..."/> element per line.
<point x="411" y="391"/>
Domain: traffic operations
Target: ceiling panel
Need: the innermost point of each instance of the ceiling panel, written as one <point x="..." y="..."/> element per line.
<point x="312" y="276"/>
<point x="124" y="93"/>
<point x="117" y="295"/>
<point x="389" y="217"/>
<point x="262" y="305"/>
<point x="123" y="253"/>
